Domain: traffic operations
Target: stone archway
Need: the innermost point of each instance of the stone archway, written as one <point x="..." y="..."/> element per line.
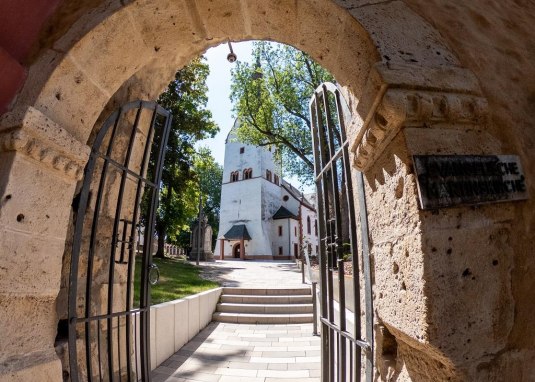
<point x="408" y="93"/>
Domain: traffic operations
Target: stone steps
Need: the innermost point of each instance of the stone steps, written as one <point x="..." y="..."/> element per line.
<point x="265" y="306"/>
<point x="251" y="299"/>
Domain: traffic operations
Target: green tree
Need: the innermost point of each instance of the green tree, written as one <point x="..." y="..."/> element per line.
<point x="271" y="97"/>
<point x="209" y="174"/>
<point x="186" y="98"/>
<point x="206" y="180"/>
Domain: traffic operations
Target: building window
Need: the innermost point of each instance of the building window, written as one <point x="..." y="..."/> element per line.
<point x="285" y="198"/>
<point x="242" y="150"/>
<point x="308" y="225"/>
<point x="247" y="173"/>
<point x="234" y="176"/>
<point x="316" y="228"/>
<point x="310" y="249"/>
<point x="280" y="251"/>
<point x="280" y="230"/>
<point x="296" y="250"/>
<point x="317" y="250"/>
<point x="268" y="175"/>
<point x="295" y="231"/>
<point x="276" y="179"/>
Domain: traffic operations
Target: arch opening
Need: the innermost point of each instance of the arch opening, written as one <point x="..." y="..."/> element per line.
<point x="139" y="54"/>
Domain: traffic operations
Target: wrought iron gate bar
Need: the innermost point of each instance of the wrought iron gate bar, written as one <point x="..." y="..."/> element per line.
<point x="122" y="168"/>
<point x="328" y="165"/>
<point x="117" y="357"/>
<point x="112" y="315"/>
<point x="344" y="333"/>
<point x="337" y="237"/>
<point x="111" y="273"/>
<point x="367" y="274"/>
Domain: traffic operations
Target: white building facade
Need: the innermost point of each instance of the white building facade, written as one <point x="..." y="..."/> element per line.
<point x="262" y="216"/>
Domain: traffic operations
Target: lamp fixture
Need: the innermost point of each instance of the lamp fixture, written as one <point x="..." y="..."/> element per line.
<point x="231" y="57"/>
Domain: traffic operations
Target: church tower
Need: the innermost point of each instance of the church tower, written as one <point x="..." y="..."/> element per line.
<point x="250" y="196"/>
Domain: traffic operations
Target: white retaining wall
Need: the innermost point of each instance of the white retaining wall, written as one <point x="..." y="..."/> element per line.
<point x="174" y="323"/>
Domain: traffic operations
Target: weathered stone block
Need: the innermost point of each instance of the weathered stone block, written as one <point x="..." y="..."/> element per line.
<point x="43" y="211"/>
<point x="114" y="35"/>
<point x="64" y="89"/>
<point x="46" y="372"/>
<point x="29" y="264"/>
<point x="29" y="324"/>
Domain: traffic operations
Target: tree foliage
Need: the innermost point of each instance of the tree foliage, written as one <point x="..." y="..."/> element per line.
<point x="206" y="176"/>
<point x="186" y="98"/>
<point x="271" y="98"/>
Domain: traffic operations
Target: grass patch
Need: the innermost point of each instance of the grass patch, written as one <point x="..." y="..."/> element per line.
<point x="178" y="279"/>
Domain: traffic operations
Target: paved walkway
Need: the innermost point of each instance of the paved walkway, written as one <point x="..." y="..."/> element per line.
<point x="247" y="353"/>
<point x="253" y="273"/>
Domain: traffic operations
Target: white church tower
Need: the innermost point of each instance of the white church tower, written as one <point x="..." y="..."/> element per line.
<point x="249" y="197"/>
<point x="260" y="215"/>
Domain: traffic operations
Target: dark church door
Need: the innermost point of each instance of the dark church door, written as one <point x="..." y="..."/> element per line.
<point x="236" y="250"/>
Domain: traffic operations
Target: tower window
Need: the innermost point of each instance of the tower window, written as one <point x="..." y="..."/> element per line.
<point x="280" y="251"/>
<point x="268" y="175"/>
<point x="308" y="225"/>
<point x="280" y="230"/>
<point x="276" y="179"/>
<point x="316" y="227"/>
<point x="295" y="231"/>
<point x="247" y="173"/>
<point x="242" y="150"/>
<point x="234" y="176"/>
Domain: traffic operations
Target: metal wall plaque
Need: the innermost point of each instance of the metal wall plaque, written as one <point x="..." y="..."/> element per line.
<point x="451" y="180"/>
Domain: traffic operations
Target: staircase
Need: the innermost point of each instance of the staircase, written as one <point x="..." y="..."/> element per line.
<point x="265" y="306"/>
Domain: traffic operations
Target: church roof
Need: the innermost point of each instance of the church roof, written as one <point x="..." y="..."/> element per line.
<point x="237" y="232"/>
<point x="283" y="213"/>
<point x="298" y="195"/>
<point x="233" y="130"/>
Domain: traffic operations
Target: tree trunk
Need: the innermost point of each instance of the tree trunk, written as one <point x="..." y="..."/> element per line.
<point x="161" y="242"/>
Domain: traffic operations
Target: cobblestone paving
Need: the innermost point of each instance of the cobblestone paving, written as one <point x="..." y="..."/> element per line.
<point x="246" y="353"/>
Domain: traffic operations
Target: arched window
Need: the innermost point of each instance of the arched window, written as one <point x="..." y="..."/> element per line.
<point x="268" y="175"/>
<point x="316" y="227"/>
<point x="276" y="179"/>
<point x="308" y="225"/>
<point x="247" y="173"/>
<point x="234" y="176"/>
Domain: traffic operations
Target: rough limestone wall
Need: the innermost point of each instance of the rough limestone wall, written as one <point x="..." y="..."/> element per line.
<point x="495" y="41"/>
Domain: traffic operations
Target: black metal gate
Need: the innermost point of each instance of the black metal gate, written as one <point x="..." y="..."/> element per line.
<point x="346" y="354"/>
<point x="109" y="317"/>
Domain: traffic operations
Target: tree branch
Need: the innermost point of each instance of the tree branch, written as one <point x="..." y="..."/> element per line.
<point x="284" y="104"/>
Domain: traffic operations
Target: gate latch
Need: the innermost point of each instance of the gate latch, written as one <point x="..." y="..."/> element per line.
<point x="154" y="274"/>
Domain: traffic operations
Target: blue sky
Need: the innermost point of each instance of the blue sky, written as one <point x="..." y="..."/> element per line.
<point x="219" y="97"/>
<point x="219" y="92"/>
